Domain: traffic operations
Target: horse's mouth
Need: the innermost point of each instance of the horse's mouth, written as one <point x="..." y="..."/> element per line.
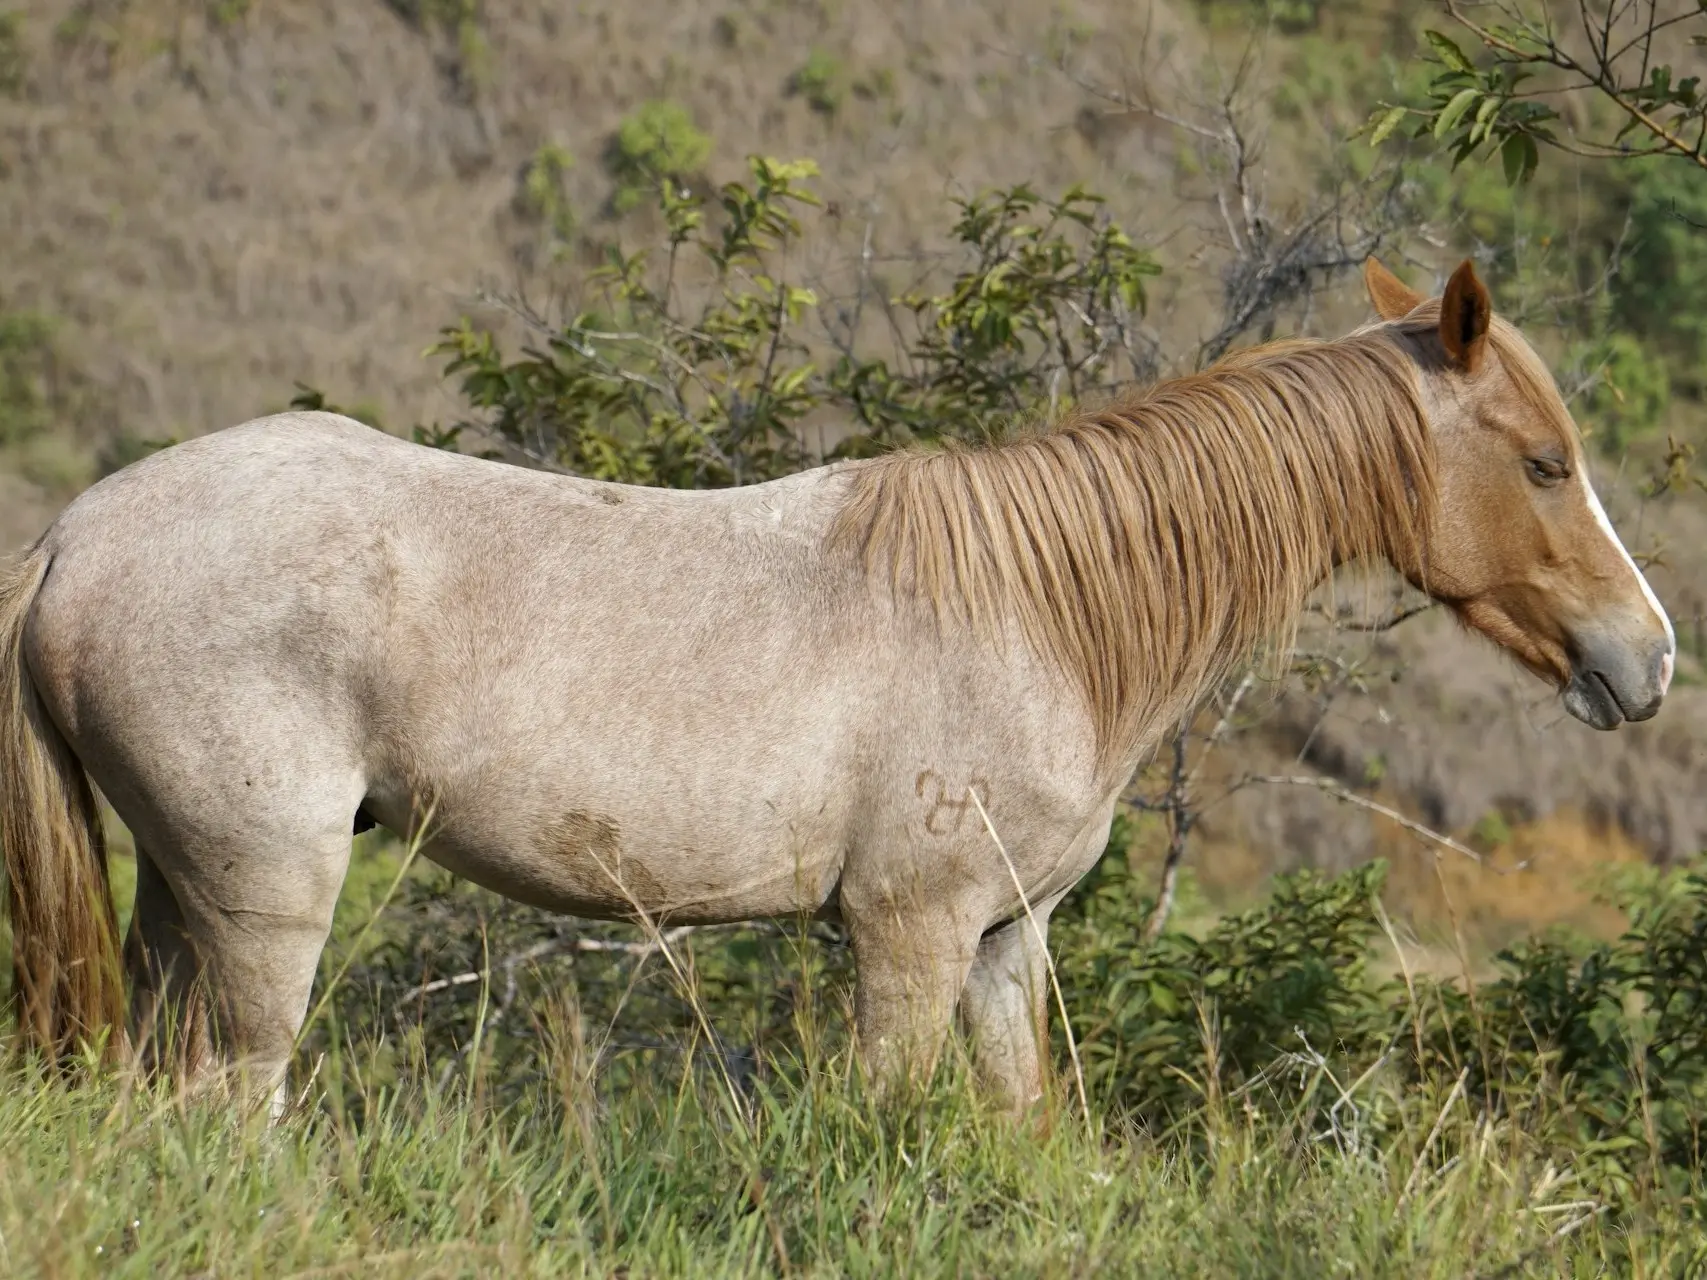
<point x="1590" y="698"/>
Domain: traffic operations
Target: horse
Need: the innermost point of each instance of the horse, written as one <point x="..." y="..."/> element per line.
<point x="822" y="695"/>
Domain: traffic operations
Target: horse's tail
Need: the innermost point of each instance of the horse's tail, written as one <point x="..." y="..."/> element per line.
<point x="67" y="982"/>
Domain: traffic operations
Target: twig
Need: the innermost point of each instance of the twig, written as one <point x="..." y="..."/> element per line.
<point x="1221" y="726"/>
<point x="1338" y="792"/>
<point x="1048" y="960"/>
<point x="556" y="946"/>
<point x="1439" y="1124"/>
<point x="1378" y="624"/>
<point x="1599" y="77"/>
<point x="1176" y="804"/>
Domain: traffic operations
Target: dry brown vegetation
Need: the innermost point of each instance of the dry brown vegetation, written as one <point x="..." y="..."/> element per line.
<point x="212" y="201"/>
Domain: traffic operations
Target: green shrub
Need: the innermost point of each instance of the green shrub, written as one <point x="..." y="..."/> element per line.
<point x="1600" y="1054"/>
<point x="636" y="388"/>
<point x="13" y="63"/>
<point x="1658" y="292"/>
<point x="821" y="81"/>
<point x="28" y="372"/>
<point x="657" y="144"/>
<point x="1628" y="394"/>
<point x="544" y="192"/>
<point x="1261" y="986"/>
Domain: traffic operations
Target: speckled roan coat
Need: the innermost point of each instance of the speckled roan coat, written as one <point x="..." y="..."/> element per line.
<point x="620" y="700"/>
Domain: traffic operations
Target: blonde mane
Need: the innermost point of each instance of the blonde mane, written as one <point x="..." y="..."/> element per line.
<point x="1146" y="547"/>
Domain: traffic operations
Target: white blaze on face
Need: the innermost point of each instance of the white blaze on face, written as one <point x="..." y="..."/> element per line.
<point x="1669" y="662"/>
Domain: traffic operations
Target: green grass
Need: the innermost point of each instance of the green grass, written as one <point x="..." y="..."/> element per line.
<point x="465" y="1144"/>
<point x="669" y="1180"/>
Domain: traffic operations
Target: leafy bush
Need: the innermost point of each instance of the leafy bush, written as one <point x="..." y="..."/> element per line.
<point x="544" y="195"/>
<point x="1628" y="393"/>
<point x="1658" y="291"/>
<point x="631" y="390"/>
<point x="1601" y="1055"/>
<point x="636" y="388"/>
<point x="14" y="65"/>
<point x="821" y="81"/>
<point x="656" y="146"/>
<point x="1161" y="1024"/>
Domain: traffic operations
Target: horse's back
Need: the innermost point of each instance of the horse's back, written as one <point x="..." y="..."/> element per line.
<point x="693" y="685"/>
<point x="524" y="646"/>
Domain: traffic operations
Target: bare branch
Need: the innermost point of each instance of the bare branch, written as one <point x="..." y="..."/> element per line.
<point x="554" y="946"/>
<point x="1600" y="74"/>
<point x="1378" y="624"/>
<point x="1329" y="787"/>
<point x="1176" y="804"/>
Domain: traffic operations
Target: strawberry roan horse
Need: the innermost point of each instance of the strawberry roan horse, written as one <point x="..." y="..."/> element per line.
<point x="716" y="706"/>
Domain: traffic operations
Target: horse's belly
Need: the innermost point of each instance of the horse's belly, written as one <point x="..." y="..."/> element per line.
<point x="590" y="863"/>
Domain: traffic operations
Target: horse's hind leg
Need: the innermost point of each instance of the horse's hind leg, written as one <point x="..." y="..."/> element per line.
<point x="255" y="902"/>
<point x="168" y="1008"/>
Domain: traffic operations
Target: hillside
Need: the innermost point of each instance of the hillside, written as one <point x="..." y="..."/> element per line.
<point x="207" y="203"/>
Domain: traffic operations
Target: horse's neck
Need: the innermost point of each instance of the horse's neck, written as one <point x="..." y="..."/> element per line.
<point x="1242" y="547"/>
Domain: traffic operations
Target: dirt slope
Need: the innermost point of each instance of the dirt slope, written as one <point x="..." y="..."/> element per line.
<point x="214" y="207"/>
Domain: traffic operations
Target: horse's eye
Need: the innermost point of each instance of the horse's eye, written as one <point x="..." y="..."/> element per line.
<point x="1547" y="471"/>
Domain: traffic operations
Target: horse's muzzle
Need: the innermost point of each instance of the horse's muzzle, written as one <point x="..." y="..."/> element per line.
<point x="1613" y="681"/>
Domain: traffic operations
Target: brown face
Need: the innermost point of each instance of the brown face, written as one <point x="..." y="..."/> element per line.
<point x="1522" y="549"/>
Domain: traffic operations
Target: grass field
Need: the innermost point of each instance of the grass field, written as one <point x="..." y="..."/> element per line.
<point x="557" y="1143"/>
<point x="668" y="1179"/>
<point x="214" y="200"/>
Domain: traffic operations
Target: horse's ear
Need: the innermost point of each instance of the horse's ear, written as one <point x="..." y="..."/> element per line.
<point x="1465" y="309"/>
<point x="1392" y="297"/>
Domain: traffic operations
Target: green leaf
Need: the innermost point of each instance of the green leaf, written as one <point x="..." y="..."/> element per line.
<point x="1454" y="111"/>
<point x="1485" y="115"/>
<point x="1385" y="126"/>
<point x="1519" y="157"/>
<point x="1449" y="53"/>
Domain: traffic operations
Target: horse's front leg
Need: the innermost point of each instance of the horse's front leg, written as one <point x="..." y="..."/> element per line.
<point x="1005" y="1008"/>
<point x="912" y="964"/>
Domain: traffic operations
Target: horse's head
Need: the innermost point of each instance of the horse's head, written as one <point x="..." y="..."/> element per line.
<point x="1521" y="548"/>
